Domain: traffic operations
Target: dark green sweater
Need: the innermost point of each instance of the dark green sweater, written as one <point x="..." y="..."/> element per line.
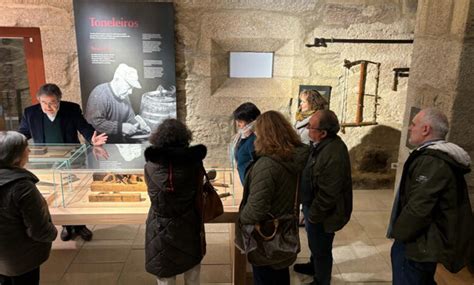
<point x="52" y="130"/>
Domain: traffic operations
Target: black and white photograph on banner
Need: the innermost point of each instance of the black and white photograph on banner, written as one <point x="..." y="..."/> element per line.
<point x="127" y="66"/>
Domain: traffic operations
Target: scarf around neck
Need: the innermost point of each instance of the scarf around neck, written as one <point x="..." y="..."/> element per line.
<point x="301" y="115"/>
<point x="243" y="133"/>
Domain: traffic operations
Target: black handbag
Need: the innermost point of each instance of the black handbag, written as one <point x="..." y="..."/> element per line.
<point x="272" y="241"/>
<point x="209" y="203"/>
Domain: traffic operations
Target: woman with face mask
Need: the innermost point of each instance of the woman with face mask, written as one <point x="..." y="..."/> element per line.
<point x="242" y="145"/>
<point x="310" y="102"/>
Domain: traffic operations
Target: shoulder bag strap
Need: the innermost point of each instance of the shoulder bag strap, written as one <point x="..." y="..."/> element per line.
<point x="296" y="210"/>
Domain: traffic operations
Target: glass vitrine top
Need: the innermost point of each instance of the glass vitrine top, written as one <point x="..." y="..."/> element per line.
<point x="108" y="158"/>
<point x="53" y="155"/>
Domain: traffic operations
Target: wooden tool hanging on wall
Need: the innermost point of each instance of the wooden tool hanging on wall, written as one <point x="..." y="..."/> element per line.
<point x="361" y="94"/>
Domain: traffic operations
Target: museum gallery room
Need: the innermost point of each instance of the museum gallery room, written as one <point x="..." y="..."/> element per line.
<point x="236" y="142"/>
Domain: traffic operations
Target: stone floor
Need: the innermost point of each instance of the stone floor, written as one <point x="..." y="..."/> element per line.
<point x="116" y="254"/>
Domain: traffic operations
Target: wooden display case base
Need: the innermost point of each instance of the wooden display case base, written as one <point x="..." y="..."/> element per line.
<point x="115" y="197"/>
<point x="99" y="186"/>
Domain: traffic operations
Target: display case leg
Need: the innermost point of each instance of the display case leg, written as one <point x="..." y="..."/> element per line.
<point x="239" y="261"/>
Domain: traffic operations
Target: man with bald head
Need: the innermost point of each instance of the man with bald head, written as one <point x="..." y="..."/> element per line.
<point x="326" y="194"/>
<point x="431" y="218"/>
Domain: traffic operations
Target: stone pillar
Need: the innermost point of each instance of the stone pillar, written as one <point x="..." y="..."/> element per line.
<point x="442" y="71"/>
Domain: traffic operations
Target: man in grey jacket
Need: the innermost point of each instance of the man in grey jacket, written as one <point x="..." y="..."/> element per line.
<point x="431" y="218"/>
<point x="326" y="194"/>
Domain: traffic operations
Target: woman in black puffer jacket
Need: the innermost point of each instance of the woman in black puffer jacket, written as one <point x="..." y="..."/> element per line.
<point x="173" y="171"/>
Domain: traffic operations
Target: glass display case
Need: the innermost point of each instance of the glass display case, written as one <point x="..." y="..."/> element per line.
<point x="45" y="160"/>
<point x="112" y="176"/>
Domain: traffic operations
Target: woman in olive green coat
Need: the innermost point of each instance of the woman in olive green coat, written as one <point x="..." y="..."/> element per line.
<point x="270" y="187"/>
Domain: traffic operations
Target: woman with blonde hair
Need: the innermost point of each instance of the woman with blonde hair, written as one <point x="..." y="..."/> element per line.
<point x="310" y="102"/>
<point x="270" y="188"/>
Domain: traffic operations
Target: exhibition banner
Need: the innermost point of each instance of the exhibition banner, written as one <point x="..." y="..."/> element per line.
<point x="126" y="66"/>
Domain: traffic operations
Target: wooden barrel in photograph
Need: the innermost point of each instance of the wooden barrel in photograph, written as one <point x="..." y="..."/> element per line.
<point x="156" y="106"/>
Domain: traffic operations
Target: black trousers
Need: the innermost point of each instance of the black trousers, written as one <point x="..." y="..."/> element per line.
<point x="29" y="278"/>
<point x="265" y="275"/>
<point x="320" y="245"/>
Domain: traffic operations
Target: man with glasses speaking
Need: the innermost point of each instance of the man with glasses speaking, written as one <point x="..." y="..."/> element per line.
<point x="58" y="122"/>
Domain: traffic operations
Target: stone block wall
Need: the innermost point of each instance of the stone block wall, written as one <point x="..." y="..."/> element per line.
<point x="206" y="31"/>
<point x="14" y="92"/>
<point x="442" y="68"/>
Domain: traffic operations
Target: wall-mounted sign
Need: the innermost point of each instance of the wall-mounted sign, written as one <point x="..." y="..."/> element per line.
<point x="127" y="66"/>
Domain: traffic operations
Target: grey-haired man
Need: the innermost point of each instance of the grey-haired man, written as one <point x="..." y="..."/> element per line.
<point x="431" y="217"/>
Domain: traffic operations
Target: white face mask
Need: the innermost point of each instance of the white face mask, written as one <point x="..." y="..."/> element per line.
<point x="247" y="130"/>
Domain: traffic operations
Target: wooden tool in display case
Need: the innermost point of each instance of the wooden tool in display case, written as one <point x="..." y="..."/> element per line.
<point x="53" y="151"/>
<point x="112" y="187"/>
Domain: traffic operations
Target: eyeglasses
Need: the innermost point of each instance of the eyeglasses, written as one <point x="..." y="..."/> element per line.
<point x="50" y="104"/>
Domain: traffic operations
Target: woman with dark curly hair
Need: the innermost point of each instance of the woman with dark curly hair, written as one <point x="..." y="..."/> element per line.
<point x="173" y="171"/>
<point x="270" y="189"/>
<point x="310" y="102"/>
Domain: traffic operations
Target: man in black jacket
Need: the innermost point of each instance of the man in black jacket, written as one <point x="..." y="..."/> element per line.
<point x="326" y="194"/>
<point x="55" y="121"/>
<point x="431" y="218"/>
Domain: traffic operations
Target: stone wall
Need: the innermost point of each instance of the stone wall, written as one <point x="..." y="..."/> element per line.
<point x="207" y="30"/>
<point x="14" y="91"/>
<point x="442" y="70"/>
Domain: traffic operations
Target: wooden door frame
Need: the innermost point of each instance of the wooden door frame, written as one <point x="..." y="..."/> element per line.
<point x="33" y="54"/>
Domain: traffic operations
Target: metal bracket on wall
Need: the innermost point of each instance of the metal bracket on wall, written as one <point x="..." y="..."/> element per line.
<point x="399" y="72"/>
<point x="322" y="42"/>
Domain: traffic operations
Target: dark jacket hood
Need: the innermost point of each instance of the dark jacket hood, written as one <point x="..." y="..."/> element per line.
<point x="298" y="160"/>
<point x="8" y="175"/>
<point x="164" y="154"/>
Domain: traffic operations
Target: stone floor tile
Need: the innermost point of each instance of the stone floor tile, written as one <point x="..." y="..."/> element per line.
<point x="115" y="232"/>
<point x="92" y="274"/>
<point x="217" y="254"/>
<point x="135" y="262"/>
<point x="351" y="232"/>
<point x="367" y="200"/>
<point x="386" y="197"/>
<point x="139" y="241"/>
<point x="111" y="243"/>
<point x="103" y="251"/>
<point x="57" y="264"/>
<point x="374" y="223"/>
<point x="383" y="247"/>
<point x="360" y="262"/>
<point x="134" y="278"/>
<point x="216" y="273"/>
